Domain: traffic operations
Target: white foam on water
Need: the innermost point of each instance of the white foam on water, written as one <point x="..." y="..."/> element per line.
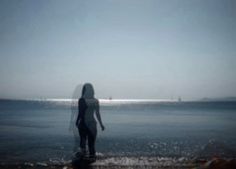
<point x="141" y="161"/>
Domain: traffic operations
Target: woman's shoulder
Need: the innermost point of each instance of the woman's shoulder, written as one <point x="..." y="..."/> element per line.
<point x="96" y="100"/>
<point x="92" y="101"/>
<point x="81" y="100"/>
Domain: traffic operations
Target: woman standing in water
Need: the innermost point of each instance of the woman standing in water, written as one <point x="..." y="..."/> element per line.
<point x="86" y="123"/>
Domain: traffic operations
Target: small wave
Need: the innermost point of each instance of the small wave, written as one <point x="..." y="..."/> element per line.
<point x="140" y="161"/>
<point x="216" y="148"/>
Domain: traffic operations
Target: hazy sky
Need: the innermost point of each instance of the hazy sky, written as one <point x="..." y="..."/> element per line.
<point x="126" y="48"/>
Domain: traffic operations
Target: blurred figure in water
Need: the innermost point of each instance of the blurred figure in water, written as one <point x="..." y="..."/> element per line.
<point x="74" y="114"/>
<point x="86" y="123"/>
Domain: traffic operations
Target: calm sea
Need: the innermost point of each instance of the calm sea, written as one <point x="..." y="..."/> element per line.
<point x="39" y="130"/>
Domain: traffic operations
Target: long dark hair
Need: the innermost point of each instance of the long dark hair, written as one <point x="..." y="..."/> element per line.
<point x="88" y="91"/>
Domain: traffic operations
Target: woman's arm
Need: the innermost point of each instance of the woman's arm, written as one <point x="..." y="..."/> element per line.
<point x="79" y="112"/>
<point x="99" y="116"/>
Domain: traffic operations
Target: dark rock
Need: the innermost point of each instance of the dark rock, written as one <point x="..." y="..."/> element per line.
<point x="220" y="164"/>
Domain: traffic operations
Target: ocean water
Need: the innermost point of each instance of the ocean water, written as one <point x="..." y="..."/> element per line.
<point x="39" y="130"/>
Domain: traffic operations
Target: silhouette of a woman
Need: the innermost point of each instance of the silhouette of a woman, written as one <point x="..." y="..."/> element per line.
<point x="86" y="123"/>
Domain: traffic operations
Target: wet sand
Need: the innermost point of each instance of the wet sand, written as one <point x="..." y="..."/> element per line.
<point x="132" y="163"/>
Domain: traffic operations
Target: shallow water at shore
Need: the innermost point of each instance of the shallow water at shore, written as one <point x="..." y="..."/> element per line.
<point x="39" y="130"/>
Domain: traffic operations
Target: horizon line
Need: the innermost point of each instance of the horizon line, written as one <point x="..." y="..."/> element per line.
<point x="108" y="100"/>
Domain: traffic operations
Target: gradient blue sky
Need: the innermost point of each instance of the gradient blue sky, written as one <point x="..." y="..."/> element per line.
<point x="155" y="49"/>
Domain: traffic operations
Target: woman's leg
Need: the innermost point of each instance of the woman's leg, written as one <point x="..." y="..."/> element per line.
<point x="83" y="138"/>
<point x="91" y="142"/>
